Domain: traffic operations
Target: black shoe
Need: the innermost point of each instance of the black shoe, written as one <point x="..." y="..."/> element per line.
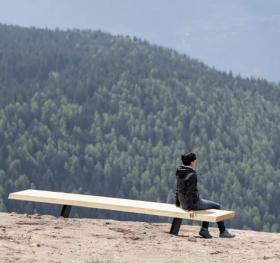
<point x="226" y="234"/>
<point x="204" y="233"/>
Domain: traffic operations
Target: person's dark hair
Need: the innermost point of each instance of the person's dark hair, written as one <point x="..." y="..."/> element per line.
<point x="188" y="158"/>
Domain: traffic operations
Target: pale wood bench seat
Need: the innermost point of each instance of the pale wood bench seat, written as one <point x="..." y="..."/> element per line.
<point x="125" y="205"/>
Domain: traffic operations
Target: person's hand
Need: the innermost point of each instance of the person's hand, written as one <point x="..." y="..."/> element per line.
<point x="192" y="214"/>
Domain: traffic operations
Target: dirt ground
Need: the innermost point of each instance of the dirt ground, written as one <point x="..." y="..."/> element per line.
<point x="43" y="238"/>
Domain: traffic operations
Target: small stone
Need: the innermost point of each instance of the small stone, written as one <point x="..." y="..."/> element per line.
<point x="35" y="245"/>
<point x="192" y="239"/>
<point x="215" y="252"/>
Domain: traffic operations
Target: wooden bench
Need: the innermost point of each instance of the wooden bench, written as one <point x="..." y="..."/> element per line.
<point x="67" y="200"/>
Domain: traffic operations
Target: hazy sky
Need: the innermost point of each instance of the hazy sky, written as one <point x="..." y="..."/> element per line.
<point x="238" y="35"/>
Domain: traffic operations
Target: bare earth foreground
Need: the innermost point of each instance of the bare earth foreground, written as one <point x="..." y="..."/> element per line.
<point x="43" y="238"/>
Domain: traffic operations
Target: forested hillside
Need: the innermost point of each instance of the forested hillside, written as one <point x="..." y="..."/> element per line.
<point x="88" y="112"/>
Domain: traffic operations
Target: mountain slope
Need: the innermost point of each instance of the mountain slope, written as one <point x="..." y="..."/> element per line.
<point x="89" y="112"/>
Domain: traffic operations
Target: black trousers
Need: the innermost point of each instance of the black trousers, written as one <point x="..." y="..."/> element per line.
<point x="202" y="204"/>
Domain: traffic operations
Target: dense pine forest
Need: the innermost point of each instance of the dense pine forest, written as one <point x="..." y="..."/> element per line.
<point x="88" y="112"/>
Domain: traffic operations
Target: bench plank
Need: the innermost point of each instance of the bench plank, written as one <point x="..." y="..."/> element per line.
<point x="118" y="204"/>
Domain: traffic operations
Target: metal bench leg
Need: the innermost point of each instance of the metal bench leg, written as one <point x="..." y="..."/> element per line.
<point x="65" y="211"/>
<point x="176" y="224"/>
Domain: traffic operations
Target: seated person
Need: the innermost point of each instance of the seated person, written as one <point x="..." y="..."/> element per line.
<point x="187" y="195"/>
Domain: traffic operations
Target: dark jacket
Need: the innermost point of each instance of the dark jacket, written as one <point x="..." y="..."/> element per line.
<point x="186" y="190"/>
